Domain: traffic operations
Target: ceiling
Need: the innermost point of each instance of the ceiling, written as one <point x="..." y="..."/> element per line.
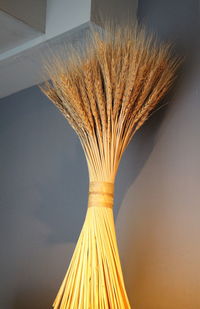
<point x="14" y="32"/>
<point x="29" y="29"/>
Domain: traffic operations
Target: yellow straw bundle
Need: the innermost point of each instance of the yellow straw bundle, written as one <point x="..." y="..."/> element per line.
<point x="106" y="93"/>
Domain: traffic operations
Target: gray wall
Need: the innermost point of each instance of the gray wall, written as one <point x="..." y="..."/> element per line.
<point x="113" y="9"/>
<point x="43" y="184"/>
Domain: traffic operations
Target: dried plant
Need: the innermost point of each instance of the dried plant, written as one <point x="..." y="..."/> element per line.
<point x="106" y="92"/>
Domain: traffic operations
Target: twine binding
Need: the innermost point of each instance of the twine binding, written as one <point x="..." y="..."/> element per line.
<point x="101" y="194"/>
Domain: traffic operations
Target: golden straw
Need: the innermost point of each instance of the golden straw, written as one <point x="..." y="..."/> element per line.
<point x="106" y="92"/>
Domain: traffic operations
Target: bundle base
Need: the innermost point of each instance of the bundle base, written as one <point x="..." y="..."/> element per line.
<point x="94" y="278"/>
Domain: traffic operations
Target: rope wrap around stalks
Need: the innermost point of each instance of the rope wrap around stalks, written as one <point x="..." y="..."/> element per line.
<point x="101" y="194"/>
<point x="106" y="93"/>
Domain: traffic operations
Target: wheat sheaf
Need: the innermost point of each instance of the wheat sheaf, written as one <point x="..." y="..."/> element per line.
<point x="106" y="91"/>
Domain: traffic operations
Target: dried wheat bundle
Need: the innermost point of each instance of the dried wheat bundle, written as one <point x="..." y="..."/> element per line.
<point x="106" y="92"/>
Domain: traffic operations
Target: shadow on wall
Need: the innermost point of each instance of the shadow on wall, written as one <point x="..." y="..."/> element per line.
<point x="137" y="154"/>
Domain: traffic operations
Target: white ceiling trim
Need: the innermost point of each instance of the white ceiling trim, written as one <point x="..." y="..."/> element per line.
<point x="24" y="69"/>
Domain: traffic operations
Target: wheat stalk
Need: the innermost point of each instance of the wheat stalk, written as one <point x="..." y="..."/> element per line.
<point x="106" y="94"/>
